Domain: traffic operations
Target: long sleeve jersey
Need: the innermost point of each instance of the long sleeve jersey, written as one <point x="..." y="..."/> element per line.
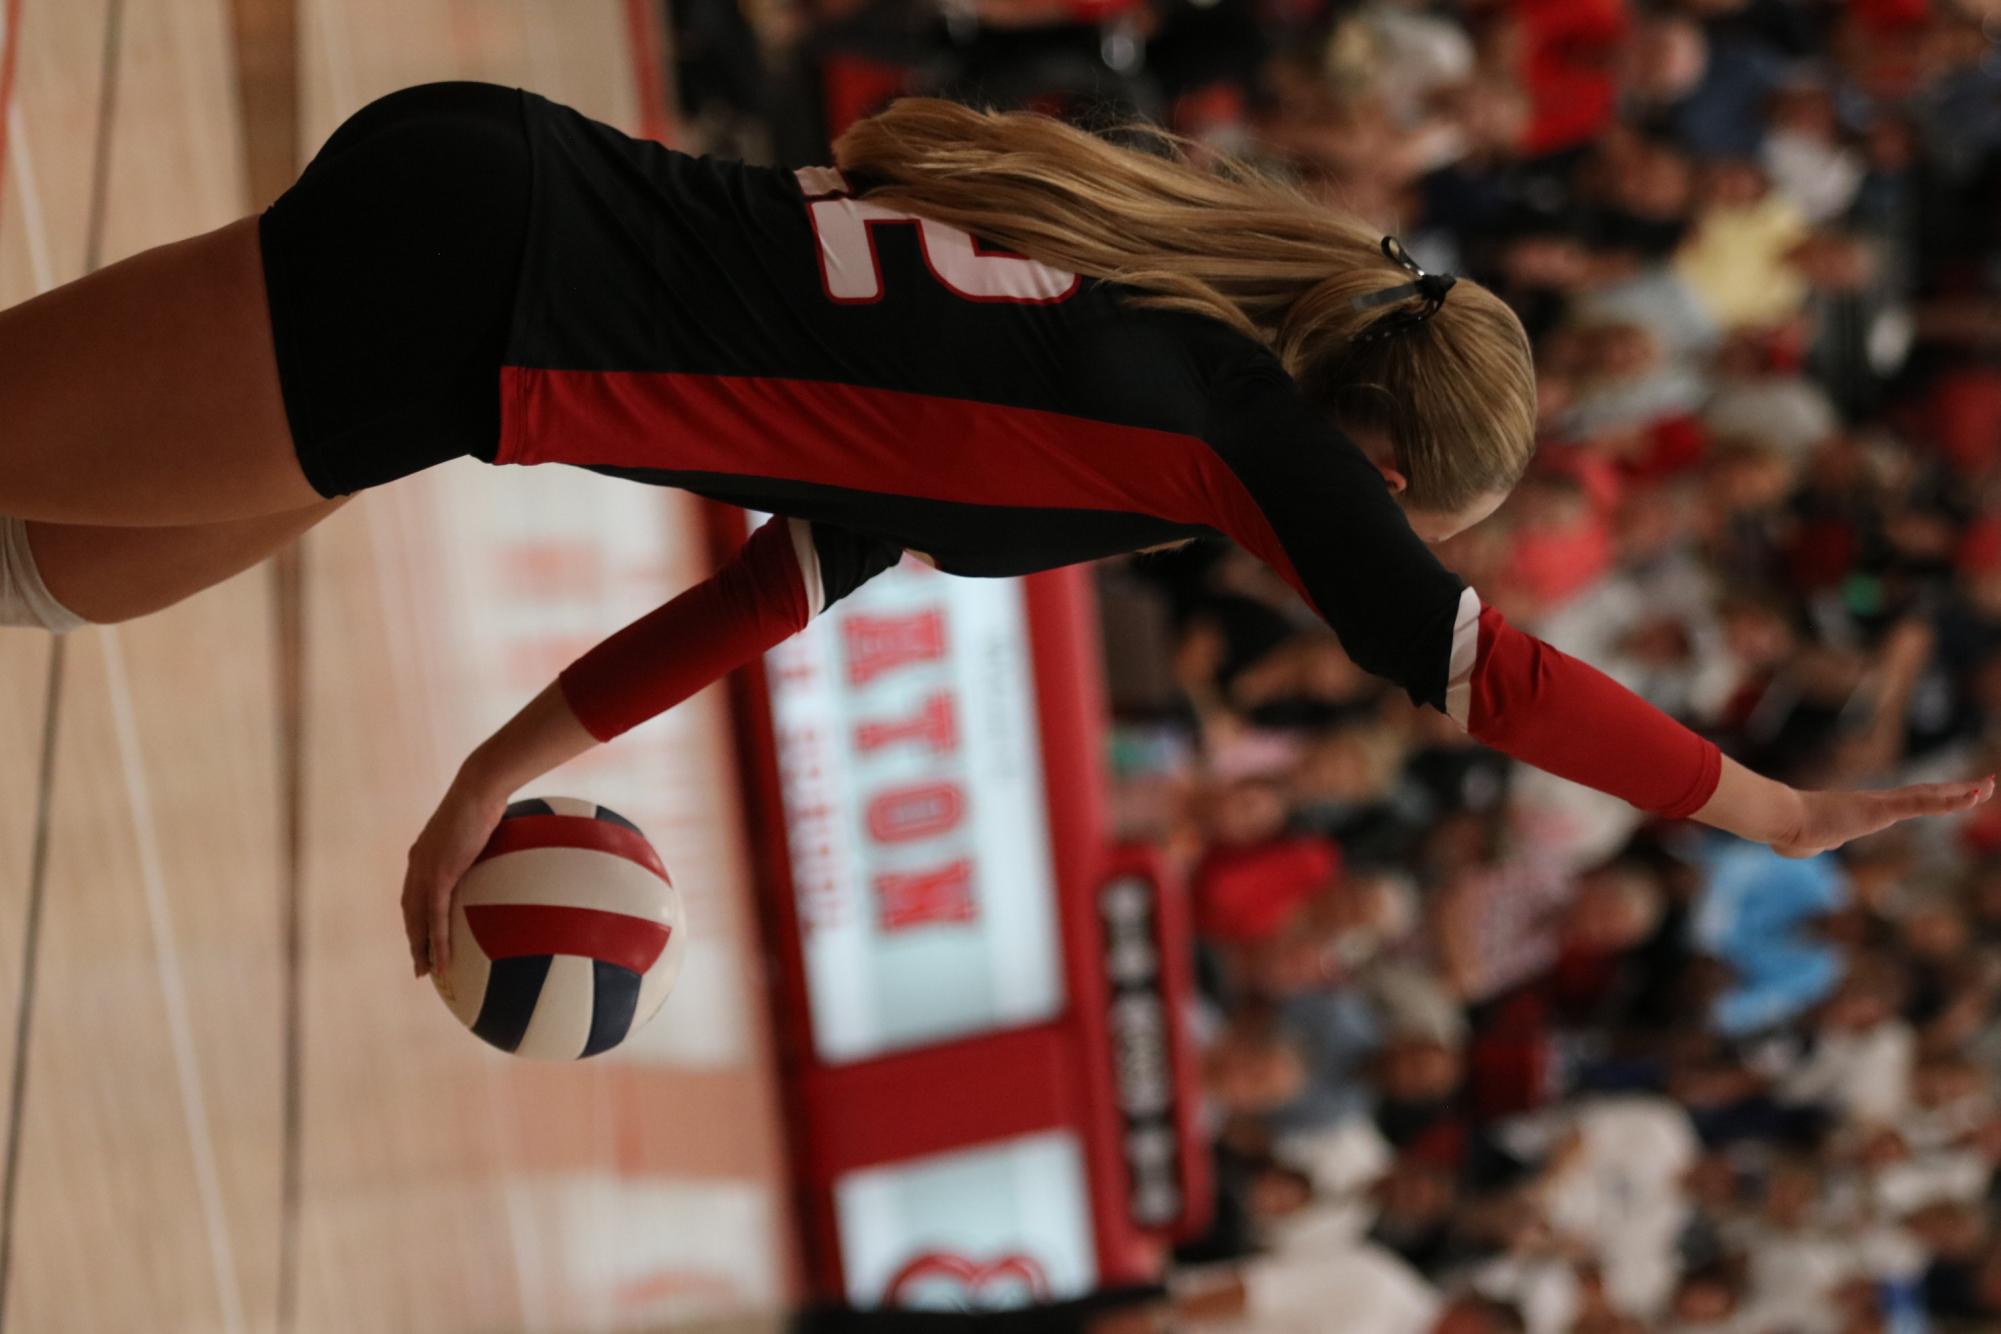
<point x="883" y="383"/>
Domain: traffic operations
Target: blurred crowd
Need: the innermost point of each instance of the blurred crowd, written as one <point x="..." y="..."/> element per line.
<point x="1484" y="1052"/>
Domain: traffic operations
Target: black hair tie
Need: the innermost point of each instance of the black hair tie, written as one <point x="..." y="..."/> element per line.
<point x="1432" y="287"/>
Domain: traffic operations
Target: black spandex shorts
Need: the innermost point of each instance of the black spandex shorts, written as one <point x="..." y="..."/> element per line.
<point x="391" y="269"/>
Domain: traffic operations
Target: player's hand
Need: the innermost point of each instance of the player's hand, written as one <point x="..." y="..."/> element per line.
<point x="1826" y="820"/>
<point x="438" y="861"/>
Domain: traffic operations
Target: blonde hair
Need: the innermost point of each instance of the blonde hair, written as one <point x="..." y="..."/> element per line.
<point x="1455" y="395"/>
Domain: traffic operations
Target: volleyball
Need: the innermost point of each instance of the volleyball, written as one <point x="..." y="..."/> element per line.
<point x="567" y="933"/>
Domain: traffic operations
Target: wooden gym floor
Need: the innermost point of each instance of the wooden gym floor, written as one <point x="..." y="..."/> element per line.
<point x="234" y="1109"/>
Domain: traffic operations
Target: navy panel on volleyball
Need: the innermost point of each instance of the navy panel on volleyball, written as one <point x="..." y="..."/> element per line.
<point x="566" y="806"/>
<point x="517" y="985"/>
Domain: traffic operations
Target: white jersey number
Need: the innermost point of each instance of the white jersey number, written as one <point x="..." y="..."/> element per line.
<point x="851" y="272"/>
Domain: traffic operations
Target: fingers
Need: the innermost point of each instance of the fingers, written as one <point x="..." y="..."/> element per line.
<point x="449" y="844"/>
<point x="1839" y="818"/>
<point x="416" y="922"/>
<point x="441" y="928"/>
<point x="427" y="919"/>
<point x="1927" y="799"/>
<point x="1936" y="799"/>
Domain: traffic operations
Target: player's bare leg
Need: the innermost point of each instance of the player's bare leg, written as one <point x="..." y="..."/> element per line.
<point x="147" y="393"/>
<point x="104" y="575"/>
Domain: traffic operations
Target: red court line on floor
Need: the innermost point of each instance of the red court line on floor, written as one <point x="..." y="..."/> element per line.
<point x="649" y="54"/>
<point x="12" y="32"/>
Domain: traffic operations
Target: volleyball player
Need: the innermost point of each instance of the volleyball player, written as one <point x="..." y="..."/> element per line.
<point x="988" y="340"/>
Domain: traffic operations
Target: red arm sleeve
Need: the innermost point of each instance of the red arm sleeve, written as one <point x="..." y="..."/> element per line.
<point x="1302" y="497"/>
<point x="781" y="578"/>
<point x="753" y="602"/>
<point x="1546" y="708"/>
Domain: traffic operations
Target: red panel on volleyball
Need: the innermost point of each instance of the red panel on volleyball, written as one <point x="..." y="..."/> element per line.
<point x="515" y="930"/>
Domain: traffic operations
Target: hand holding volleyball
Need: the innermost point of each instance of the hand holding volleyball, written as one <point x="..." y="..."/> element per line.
<point x="549" y="925"/>
<point x="439" y="858"/>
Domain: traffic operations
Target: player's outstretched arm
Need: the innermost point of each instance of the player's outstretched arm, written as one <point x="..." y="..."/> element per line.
<point x="1314" y="509"/>
<point x="1800" y="824"/>
<point x="1564" y="716"/>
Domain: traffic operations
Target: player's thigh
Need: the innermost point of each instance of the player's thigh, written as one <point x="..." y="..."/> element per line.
<point x="111" y="574"/>
<point x="352" y="335"/>
<point x="147" y="393"/>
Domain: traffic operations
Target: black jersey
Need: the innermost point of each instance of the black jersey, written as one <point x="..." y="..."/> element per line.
<point x="765" y="338"/>
<point x="775" y="340"/>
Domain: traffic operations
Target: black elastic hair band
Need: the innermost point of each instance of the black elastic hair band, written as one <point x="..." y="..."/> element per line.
<point x="1432" y="287"/>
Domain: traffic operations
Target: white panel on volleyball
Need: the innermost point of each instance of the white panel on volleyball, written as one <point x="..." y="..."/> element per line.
<point x="471" y="970"/>
<point x="561" y="1023"/>
<point x="574" y="878"/>
<point x="660" y="979"/>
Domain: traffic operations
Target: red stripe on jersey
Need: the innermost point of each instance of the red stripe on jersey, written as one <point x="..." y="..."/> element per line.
<point x="514" y="930"/>
<point x="882" y="440"/>
<point x="1546" y="708"/>
<point x="571" y="831"/>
